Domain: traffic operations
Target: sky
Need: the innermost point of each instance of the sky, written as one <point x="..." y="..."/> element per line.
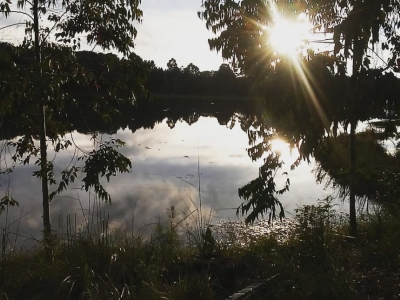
<point x="170" y="29"/>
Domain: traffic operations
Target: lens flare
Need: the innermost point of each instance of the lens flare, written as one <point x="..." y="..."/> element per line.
<point x="288" y="37"/>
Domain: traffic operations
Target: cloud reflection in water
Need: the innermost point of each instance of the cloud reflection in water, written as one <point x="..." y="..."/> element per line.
<point x="166" y="163"/>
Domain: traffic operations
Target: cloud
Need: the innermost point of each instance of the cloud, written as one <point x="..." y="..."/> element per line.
<point x="145" y="194"/>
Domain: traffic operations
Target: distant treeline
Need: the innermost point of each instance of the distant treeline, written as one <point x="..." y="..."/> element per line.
<point x="190" y="81"/>
<point x="97" y="89"/>
<point x="79" y="85"/>
<point x="134" y="75"/>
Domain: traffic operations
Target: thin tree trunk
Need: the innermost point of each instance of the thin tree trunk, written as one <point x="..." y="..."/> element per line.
<point x="42" y="133"/>
<point x="353" y="217"/>
<point x="353" y="124"/>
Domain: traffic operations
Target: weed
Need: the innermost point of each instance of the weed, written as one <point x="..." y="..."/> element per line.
<point x="315" y="260"/>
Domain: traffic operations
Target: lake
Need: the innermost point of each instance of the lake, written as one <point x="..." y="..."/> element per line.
<point x="167" y="158"/>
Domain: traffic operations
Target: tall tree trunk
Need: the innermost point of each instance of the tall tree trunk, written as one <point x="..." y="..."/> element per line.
<point x="42" y="133"/>
<point x="353" y="217"/>
<point x="353" y="124"/>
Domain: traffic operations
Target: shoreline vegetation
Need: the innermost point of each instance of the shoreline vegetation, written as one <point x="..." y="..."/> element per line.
<point x="308" y="257"/>
<point x="199" y="97"/>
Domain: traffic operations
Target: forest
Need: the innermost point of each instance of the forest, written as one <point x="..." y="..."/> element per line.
<point x="189" y="81"/>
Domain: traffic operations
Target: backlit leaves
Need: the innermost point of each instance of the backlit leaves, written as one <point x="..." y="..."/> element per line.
<point x="7" y="201"/>
<point x="107" y="23"/>
<point x="260" y="194"/>
<point x="106" y="161"/>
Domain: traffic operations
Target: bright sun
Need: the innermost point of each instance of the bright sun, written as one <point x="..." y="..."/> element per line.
<point x="279" y="145"/>
<point x="287" y="37"/>
<point x="283" y="149"/>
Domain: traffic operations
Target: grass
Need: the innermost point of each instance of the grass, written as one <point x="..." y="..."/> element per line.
<point x="209" y="98"/>
<point x="316" y="260"/>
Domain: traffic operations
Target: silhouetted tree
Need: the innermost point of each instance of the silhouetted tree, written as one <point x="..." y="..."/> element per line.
<point x="38" y="81"/>
<point x="327" y="93"/>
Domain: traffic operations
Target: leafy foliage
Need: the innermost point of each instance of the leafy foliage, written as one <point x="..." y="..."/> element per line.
<point x="104" y="162"/>
<point x="7" y="201"/>
<point x="376" y="169"/>
<point x="261" y="192"/>
<point x="307" y="98"/>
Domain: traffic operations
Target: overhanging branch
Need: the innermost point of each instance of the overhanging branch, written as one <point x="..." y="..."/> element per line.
<point x="17" y="12"/>
<point x="16" y="24"/>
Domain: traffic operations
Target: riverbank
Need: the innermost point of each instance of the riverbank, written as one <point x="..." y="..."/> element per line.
<point x="315" y="260"/>
<point x="202" y="98"/>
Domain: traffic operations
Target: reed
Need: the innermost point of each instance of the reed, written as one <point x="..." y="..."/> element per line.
<point x="315" y="260"/>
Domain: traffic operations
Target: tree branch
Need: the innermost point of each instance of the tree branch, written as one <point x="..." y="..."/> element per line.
<point x="16" y="24"/>
<point x="52" y="28"/>
<point x="377" y="55"/>
<point x="17" y="12"/>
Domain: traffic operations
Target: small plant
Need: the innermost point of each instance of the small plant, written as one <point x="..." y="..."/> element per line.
<point x="316" y="222"/>
<point x="191" y="287"/>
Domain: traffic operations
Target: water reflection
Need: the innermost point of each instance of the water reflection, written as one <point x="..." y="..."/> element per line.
<point x="166" y="163"/>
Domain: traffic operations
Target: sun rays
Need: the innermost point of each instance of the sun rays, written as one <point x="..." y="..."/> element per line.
<point x="288" y="37"/>
<point x="286" y="44"/>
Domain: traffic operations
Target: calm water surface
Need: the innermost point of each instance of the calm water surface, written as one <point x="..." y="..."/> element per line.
<point x="166" y="167"/>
